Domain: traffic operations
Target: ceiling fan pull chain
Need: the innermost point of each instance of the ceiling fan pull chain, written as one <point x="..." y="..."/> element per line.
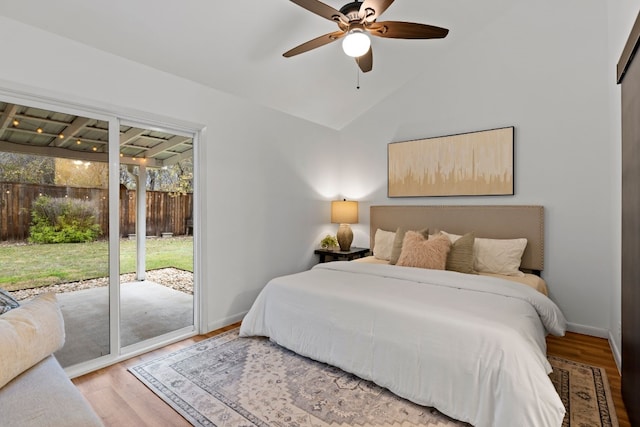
<point x="358" y="75"/>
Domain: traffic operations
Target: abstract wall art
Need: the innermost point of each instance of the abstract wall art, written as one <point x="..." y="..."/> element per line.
<point x="469" y="164"/>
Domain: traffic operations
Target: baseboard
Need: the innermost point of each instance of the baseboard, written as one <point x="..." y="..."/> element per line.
<point x="588" y="330"/>
<point x="616" y="353"/>
<point x="221" y="323"/>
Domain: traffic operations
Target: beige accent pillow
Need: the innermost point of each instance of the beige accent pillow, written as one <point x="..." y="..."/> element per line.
<point x="28" y="334"/>
<point x="383" y="243"/>
<point x="460" y="256"/>
<point x="420" y="252"/>
<point x="397" y="243"/>
<point x="497" y="256"/>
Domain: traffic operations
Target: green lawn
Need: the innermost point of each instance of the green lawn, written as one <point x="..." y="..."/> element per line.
<point x="32" y="266"/>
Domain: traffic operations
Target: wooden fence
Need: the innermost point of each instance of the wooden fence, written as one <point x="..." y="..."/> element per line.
<point x="166" y="212"/>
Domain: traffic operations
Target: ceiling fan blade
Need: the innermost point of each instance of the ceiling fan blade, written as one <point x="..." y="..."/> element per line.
<point x="365" y="62"/>
<point x="406" y="30"/>
<point x="372" y="9"/>
<point x="322" y="9"/>
<point x="312" y="44"/>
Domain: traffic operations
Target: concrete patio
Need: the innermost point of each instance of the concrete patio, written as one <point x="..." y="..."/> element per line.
<point x="147" y="309"/>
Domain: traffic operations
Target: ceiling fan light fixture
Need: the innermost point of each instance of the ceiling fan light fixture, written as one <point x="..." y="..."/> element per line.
<point x="356" y="43"/>
<point x="357" y="22"/>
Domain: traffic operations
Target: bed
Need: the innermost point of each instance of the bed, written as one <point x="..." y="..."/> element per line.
<point x="470" y="345"/>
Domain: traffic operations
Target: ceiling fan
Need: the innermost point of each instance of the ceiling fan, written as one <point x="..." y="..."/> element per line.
<point x="358" y="19"/>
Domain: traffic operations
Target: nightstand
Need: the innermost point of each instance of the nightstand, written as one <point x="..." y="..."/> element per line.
<point x="338" y="255"/>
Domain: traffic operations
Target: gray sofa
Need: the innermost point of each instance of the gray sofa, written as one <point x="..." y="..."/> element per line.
<point x="43" y="396"/>
<point x="34" y="389"/>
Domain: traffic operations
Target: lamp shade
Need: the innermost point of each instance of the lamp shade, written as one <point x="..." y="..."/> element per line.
<point x="356" y="43"/>
<point x="344" y="212"/>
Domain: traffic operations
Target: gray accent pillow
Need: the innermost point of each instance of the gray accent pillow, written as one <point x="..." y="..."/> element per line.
<point x="460" y="256"/>
<point x="397" y="243"/>
<point x="7" y="302"/>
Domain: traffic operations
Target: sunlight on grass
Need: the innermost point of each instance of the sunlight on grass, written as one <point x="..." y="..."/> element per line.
<point x="31" y="266"/>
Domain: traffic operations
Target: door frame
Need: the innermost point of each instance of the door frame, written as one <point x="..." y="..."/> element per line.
<point x="187" y="331"/>
<point x="38" y="98"/>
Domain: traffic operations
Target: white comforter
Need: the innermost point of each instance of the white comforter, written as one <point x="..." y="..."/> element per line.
<point x="471" y="346"/>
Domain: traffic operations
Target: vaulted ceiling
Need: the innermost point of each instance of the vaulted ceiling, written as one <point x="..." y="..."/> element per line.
<point x="236" y="46"/>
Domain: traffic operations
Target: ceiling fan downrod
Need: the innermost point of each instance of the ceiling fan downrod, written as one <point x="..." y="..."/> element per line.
<point x="351" y="10"/>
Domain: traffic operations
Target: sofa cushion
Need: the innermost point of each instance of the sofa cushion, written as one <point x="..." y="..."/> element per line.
<point x="43" y="396"/>
<point x="28" y="334"/>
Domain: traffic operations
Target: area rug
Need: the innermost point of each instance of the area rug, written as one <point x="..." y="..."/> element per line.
<point x="232" y="381"/>
<point x="585" y="392"/>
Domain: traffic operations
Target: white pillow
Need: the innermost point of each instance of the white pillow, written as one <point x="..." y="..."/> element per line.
<point x="383" y="244"/>
<point x="28" y="334"/>
<point x="497" y="256"/>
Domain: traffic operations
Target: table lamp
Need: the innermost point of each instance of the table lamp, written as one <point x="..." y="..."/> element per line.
<point x="344" y="213"/>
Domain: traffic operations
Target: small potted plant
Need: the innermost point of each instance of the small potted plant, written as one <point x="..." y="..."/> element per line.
<point x="329" y="242"/>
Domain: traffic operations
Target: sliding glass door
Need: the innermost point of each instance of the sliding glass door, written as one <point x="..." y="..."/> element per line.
<point x="156" y="223"/>
<point x="99" y="211"/>
<point x="54" y="237"/>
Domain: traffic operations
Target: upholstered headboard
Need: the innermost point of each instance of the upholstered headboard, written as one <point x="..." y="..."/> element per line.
<point x="496" y="222"/>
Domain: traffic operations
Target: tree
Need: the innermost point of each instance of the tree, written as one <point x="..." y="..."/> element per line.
<point x="177" y="178"/>
<point x="77" y="173"/>
<point x="127" y="178"/>
<point x="26" y="168"/>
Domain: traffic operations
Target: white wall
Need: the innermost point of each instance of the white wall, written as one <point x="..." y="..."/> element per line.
<point x="544" y="68"/>
<point x="267" y="176"/>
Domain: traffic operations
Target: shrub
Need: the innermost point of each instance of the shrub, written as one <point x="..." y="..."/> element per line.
<point x="63" y="220"/>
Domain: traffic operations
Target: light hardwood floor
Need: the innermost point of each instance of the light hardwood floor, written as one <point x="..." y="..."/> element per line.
<point x="121" y="400"/>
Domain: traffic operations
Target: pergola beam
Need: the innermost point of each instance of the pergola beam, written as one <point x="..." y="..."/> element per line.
<point x="178" y="157"/>
<point x="164" y="146"/>
<point x="65" y="153"/>
<point x="7" y="116"/>
<point x="137" y="161"/>
<point x="72" y="130"/>
<point x="53" y="152"/>
<point x="130" y="135"/>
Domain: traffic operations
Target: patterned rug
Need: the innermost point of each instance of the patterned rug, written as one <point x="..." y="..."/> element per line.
<point x="232" y="381"/>
<point x="585" y="392"/>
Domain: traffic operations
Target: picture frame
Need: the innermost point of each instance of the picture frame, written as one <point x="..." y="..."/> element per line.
<point x="479" y="163"/>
